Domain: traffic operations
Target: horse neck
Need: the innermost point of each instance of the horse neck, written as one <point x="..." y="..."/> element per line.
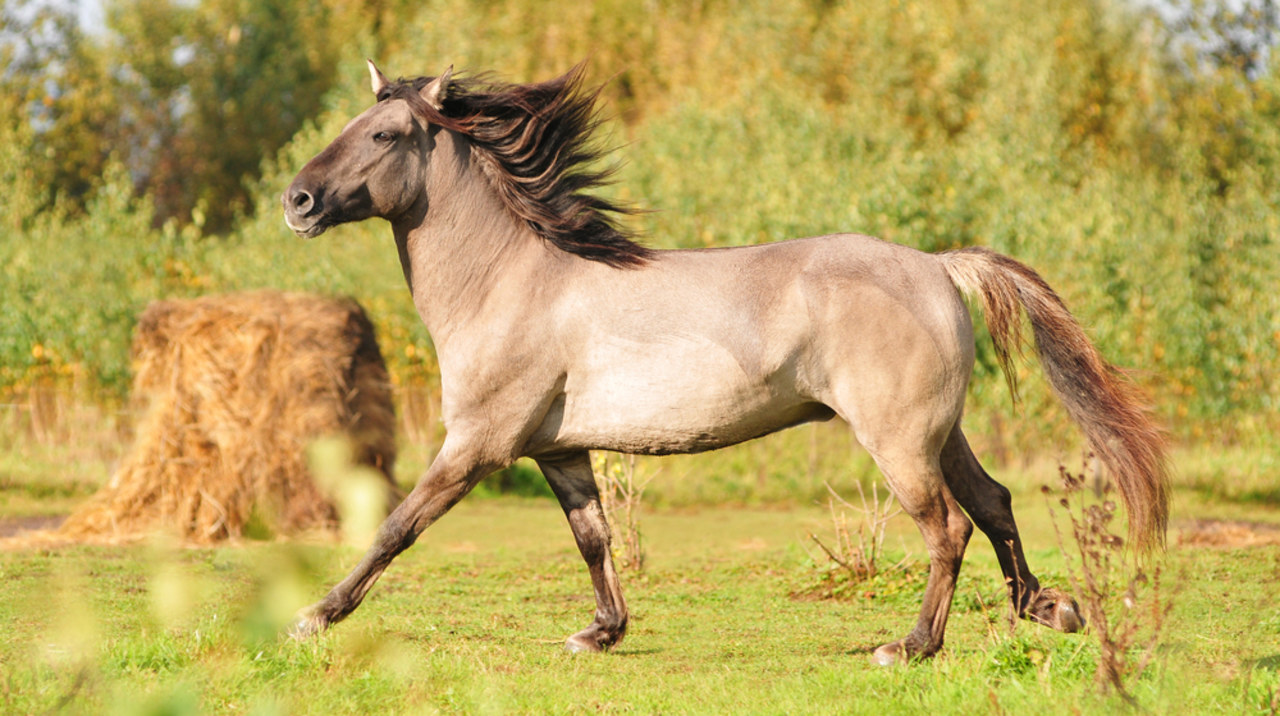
<point x="456" y="252"/>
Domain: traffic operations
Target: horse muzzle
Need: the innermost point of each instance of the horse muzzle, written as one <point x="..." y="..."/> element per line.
<point x="304" y="212"/>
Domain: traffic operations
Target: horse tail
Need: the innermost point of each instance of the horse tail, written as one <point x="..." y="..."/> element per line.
<point x="1107" y="406"/>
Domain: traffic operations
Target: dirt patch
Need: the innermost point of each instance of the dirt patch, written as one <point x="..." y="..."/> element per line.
<point x="1228" y="533"/>
<point x="12" y="526"/>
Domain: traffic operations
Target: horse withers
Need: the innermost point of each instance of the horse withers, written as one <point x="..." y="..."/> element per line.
<point x="557" y="334"/>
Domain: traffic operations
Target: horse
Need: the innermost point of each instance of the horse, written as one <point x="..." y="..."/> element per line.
<point x="557" y="333"/>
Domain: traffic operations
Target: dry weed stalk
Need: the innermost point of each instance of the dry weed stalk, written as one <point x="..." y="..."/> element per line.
<point x="621" y="492"/>
<point x="858" y="552"/>
<point x="1127" y="636"/>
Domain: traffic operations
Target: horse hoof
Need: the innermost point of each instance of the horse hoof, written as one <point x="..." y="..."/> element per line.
<point x="1067" y="617"/>
<point x="1057" y="610"/>
<point x="307" y="625"/>
<point x="579" y="644"/>
<point x="889" y="655"/>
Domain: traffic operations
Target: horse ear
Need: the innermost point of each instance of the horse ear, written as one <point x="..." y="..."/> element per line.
<point x="436" y="90"/>
<point x="377" y="80"/>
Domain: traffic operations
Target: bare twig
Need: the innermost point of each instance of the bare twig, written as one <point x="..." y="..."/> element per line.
<point x="1126" y="638"/>
<point x="621" y="493"/>
<point x="858" y="552"/>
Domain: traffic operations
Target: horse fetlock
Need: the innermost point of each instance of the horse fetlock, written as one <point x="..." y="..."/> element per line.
<point x="1055" y="609"/>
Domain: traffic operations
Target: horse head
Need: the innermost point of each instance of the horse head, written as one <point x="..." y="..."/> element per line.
<point x="375" y="167"/>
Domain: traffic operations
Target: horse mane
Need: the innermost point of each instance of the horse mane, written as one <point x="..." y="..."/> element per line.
<point x="533" y="143"/>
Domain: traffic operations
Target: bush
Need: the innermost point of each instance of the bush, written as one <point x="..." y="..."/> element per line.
<point x="1065" y="135"/>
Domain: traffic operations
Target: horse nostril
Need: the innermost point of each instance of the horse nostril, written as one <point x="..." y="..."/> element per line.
<point x="302" y="200"/>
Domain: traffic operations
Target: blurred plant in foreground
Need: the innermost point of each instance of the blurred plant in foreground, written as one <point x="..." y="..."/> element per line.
<point x="1128" y="628"/>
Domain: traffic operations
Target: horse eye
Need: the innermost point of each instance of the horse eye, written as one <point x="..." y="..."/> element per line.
<point x="383" y="137"/>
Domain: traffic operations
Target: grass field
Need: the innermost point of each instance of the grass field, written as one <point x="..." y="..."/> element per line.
<point x="471" y="619"/>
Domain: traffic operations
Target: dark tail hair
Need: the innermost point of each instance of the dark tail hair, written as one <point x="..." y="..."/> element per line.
<point x="1109" y="408"/>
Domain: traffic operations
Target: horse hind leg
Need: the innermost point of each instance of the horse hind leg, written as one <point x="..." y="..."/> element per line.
<point x="574" y="484"/>
<point x="988" y="503"/>
<point x="918" y="484"/>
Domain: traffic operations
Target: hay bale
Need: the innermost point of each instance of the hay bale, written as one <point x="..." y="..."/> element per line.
<point x="230" y="391"/>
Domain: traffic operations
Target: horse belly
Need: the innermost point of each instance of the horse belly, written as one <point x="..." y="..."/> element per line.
<point x="695" y="397"/>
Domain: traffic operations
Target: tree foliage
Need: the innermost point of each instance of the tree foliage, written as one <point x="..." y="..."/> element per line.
<point x="211" y="89"/>
<point x="56" y="85"/>
<point x="1213" y="34"/>
<point x="191" y="97"/>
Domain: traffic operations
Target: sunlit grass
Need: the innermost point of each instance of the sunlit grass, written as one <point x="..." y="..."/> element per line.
<point x="472" y="619"/>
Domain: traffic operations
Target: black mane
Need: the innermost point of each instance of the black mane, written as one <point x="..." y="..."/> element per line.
<point x="533" y="140"/>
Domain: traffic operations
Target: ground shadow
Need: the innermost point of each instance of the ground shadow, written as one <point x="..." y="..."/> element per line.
<point x="1270" y="663"/>
<point x="634" y="652"/>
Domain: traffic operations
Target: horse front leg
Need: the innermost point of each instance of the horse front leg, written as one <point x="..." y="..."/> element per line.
<point x="574" y="484"/>
<point x="990" y="505"/>
<point x="451" y="476"/>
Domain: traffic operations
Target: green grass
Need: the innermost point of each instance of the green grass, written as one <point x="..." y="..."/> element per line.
<point x="471" y="620"/>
